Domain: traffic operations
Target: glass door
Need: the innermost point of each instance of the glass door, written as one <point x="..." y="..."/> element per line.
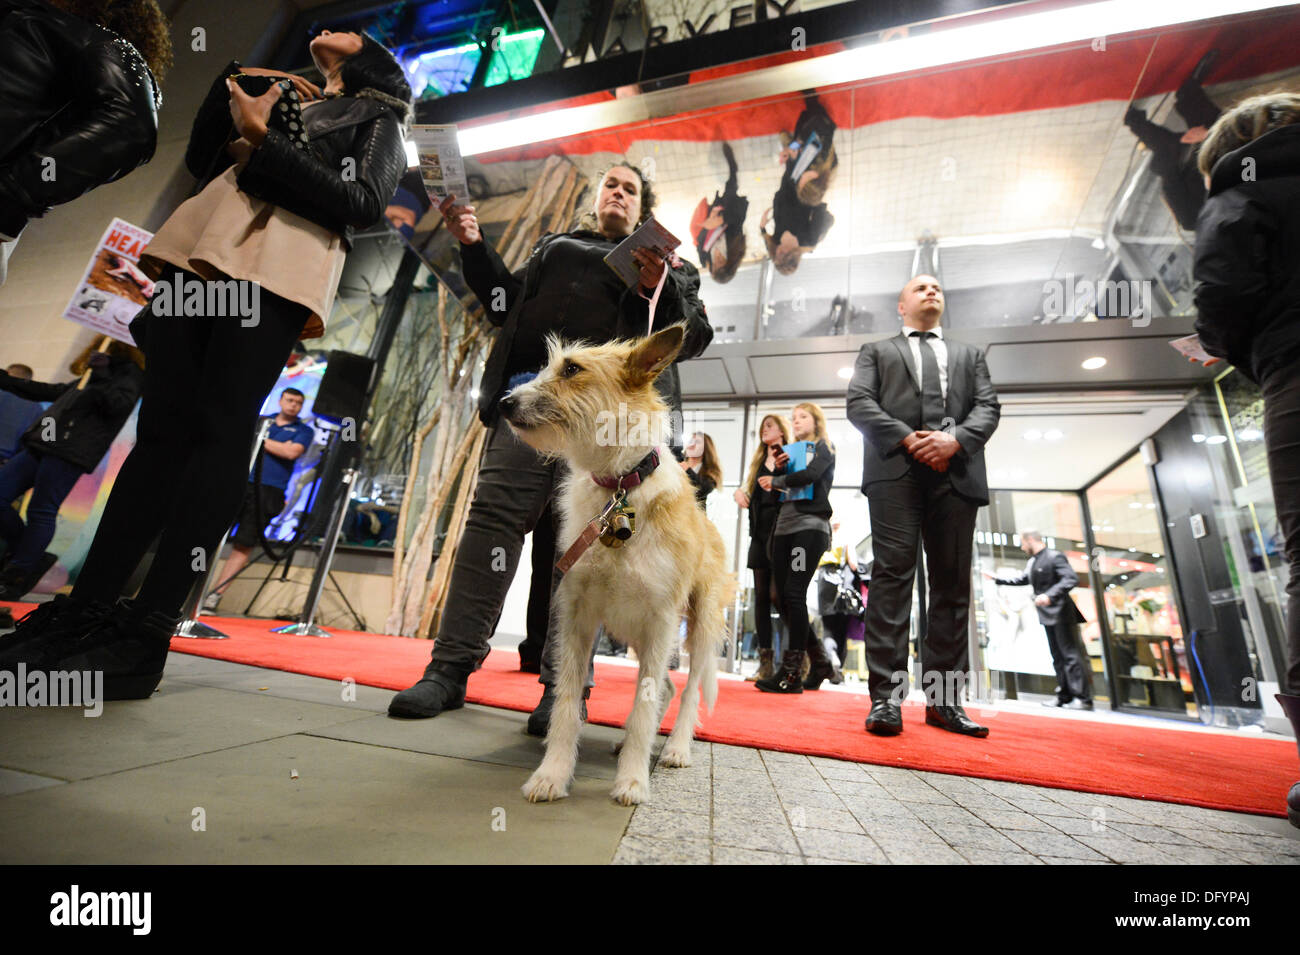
<point x="1147" y="655"/>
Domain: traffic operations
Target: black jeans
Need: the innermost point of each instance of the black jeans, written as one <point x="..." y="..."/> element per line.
<point x="514" y="488"/>
<point x="204" y="383"/>
<point x="794" y="561"/>
<point x="1281" y="390"/>
<point x="51" y="480"/>
<point x="921" y="507"/>
<point x="763" y="607"/>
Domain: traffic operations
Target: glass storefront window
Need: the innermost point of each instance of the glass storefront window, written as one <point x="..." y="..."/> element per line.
<point x="1146" y="647"/>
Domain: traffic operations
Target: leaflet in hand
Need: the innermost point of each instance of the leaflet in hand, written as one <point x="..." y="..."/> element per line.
<point x="650" y="235"/>
<point x="799" y="453"/>
<point x="1190" y="346"/>
<point x="441" y="168"/>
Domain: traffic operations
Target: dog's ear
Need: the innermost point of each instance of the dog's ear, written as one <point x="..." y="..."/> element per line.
<point x="652" y="355"/>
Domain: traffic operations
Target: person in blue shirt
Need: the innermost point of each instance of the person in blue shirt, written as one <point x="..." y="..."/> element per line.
<point x="286" y="441"/>
<point x="16" y="414"/>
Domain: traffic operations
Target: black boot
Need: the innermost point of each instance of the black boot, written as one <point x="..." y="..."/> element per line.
<point x="129" y="647"/>
<point x="539" y="721"/>
<point x="46" y="631"/>
<point x="441" y="688"/>
<point x="786" y="678"/>
<point x="16" y="583"/>
<point x="530" y="657"/>
<point x="823" y="666"/>
<point x="1291" y="706"/>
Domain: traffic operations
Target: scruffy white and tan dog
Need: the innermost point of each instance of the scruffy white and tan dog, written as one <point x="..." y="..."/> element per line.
<point x="597" y="408"/>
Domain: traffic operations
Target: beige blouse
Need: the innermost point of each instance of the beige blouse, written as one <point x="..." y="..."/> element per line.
<point x="223" y="233"/>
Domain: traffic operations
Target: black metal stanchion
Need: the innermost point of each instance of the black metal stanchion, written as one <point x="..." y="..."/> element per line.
<point x="306" y="626"/>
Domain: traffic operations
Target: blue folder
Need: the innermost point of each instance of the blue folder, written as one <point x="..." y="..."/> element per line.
<point x="799" y="453"/>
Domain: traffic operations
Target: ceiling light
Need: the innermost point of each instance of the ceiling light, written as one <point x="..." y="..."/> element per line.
<point x="1092" y="364"/>
<point x="1053" y="434"/>
<point x="990" y="37"/>
<point x="1198" y="438"/>
<point x="1137" y="504"/>
<point x="1033" y="434"/>
<point x="1099" y="243"/>
<point x="1249" y="434"/>
<point x="846" y="372"/>
<point x="1216" y="439"/>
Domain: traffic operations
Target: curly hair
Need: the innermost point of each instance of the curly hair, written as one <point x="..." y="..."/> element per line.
<point x="1246" y="122"/>
<point x="140" y="22"/>
<point x="648" y="197"/>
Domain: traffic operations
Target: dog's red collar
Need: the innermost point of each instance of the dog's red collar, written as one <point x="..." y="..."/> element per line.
<point x="634" y="477"/>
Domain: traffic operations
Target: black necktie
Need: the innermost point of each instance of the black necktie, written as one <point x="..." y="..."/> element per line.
<point x="932" y="407"/>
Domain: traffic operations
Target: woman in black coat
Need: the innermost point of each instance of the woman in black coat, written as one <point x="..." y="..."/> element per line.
<point x="59" y="140"/>
<point x="1247" y="272"/>
<point x="566" y="289"/>
<point x="763" y="505"/>
<point x="273" y="222"/>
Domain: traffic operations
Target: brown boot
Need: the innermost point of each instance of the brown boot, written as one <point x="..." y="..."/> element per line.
<point x="764" y="666"/>
<point x="822" y="666"/>
<point x="786" y="678"/>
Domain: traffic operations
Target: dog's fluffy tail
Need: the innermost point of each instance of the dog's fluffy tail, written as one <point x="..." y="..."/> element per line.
<point x="707" y="632"/>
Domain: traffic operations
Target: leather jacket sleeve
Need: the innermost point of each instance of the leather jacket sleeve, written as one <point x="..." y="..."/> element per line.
<point x="353" y="196"/>
<point x="485" y="272"/>
<point x="33" y="390"/>
<point x="1231" y="270"/>
<point x="107" y="130"/>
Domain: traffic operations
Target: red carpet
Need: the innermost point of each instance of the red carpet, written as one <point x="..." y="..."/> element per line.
<point x="1217" y="771"/>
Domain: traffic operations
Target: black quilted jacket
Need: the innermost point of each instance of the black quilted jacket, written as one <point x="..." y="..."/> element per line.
<point x="77" y="109"/>
<point x="343" y="184"/>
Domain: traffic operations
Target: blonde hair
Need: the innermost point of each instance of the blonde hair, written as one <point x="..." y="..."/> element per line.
<point x="756" y="461"/>
<point x="1246" y="122"/>
<point x="709" y="463"/>
<point x="821" y="432"/>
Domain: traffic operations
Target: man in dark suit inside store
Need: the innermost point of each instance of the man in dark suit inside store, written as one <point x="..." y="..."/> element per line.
<point x="1052" y="578"/>
<point x="926" y="407"/>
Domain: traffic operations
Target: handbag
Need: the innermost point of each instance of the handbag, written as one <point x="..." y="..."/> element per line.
<point x="286" y="117"/>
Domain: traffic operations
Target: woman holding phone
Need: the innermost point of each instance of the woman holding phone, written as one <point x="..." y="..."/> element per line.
<point x="800" y="537"/>
<point x="763" y="504"/>
<point x="284" y="190"/>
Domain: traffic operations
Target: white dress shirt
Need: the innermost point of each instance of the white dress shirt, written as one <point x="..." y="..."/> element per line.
<point x="940" y="355"/>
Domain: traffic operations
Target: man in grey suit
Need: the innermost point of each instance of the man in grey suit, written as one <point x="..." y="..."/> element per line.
<point x="926" y="407"/>
<point x="1053" y="578"/>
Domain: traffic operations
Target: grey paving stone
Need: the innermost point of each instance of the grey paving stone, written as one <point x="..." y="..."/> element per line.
<point x="936" y="816"/>
<point x="840" y="846"/>
<point x="837" y="820"/>
<point x="1078" y="826"/>
<point x="1275" y="846"/>
<point x="731" y="855"/>
<point x="667" y="781"/>
<point x="839" y="769"/>
<point x="990" y="857"/>
<point x="809" y="798"/>
<point x="862" y="786"/>
<point x="919" y="794"/>
<point x="737" y="757"/>
<point x="730" y="777"/>
<point x="1231" y="842"/>
<point x="976" y="837"/>
<point x="798" y="779"/>
<point x="657" y="823"/>
<point x="1044" y="844"/>
<point x="923" y="854"/>
<point x="774" y="758"/>
<point x="751" y="835"/>
<point x="999" y="819"/>
<point x="640" y="850"/>
<point x="1202" y="855"/>
<point x="1127" y="851"/>
<point x="13" y="782"/>
<point x="893" y="830"/>
<point x="1153" y="834"/>
<point x="1057" y="860"/>
<point x="678" y="800"/>
<point x="1041" y="807"/>
<point x="882" y="809"/>
<point x="811" y="861"/>
<point x="983" y="800"/>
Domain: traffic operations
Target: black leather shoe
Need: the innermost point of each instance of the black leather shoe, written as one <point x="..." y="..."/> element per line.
<point x="954" y="719"/>
<point x="1054" y="704"/>
<point x="436" y="691"/>
<point x="530" y="658"/>
<point x="540" y="719"/>
<point x="1079" y="705"/>
<point x="885" y="718"/>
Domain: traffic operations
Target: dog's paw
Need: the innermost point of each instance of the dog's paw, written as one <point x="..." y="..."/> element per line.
<point x="631" y="792"/>
<point x="542" y="787"/>
<point x="676" y="756"/>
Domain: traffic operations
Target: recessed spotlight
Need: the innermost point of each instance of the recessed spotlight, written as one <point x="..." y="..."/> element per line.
<point x="846" y="372"/>
<point x="1136" y="504"/>
<point x="1216" y="439"/>
<point x="1033" y="434"/>
<point x="1053" y="434"/>
<point x="1092" y="364"/>
<point x="1198" y="438"/>
<point x="1099" y="243"/>
<point x="1249" y="434"/>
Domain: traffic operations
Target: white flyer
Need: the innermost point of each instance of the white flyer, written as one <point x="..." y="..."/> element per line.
<point x="441" y="166"/>
<point x="112" y="290"/>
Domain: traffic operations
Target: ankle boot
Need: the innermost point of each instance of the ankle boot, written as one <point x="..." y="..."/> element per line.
<point x="441" y="688"/>
<point x="822" y="666"/>
<point x="764" y="666"/>
<point x="1291" y="706"/>
<point x="129" y="647"/>
<point x="46" y="631"/>
<point x="786" y="678"/>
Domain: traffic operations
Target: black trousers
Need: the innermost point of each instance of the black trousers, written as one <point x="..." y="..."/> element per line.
<point x="794" y="561"/>
<point x="204" y="383"/>
<point x="1281" y="390"/>
<point x="1073" y="674"/>
<point x="515" y="489"/>
<point x="763" y="607"/>
<point x="921" y="507"/>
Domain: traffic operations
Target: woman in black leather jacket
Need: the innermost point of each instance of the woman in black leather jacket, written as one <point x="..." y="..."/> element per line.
<point x="60" y="139"/>
<point x="276" y="218"/>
